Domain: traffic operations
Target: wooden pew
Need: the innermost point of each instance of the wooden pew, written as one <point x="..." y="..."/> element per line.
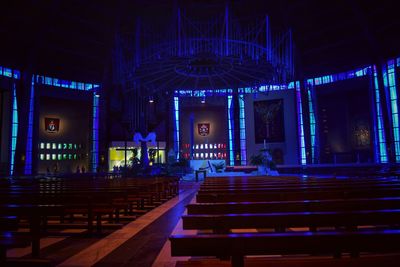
<point x="280" y="203"/>
<point x="297" y="185"/>
<point x="300" y="205"/>
<point x="237" y="246"/>
<point x="34" y="214"/>
<point x="289" y="179"/>
<point x="8" y="238"/>
<point x="265" y="195"/>
<point x="257" y="190"/>
<point x="239" y="181"/>
<point x="38" y="200"/>
<point x="283" y="220"/>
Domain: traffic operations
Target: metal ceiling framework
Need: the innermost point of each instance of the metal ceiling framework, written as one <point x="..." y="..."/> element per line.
<point x="219" y="53"/>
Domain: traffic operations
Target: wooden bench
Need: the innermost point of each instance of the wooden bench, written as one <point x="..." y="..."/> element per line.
<point x="302" y="189"/>
<point x="207" y="187"/>
<point x="371" y="260"/>
<point x="35" y="201"/>
<point x="242" y="181"/>
<point x="8" y="238"/>
<point x="300" y="205"/>
<point x="278" y="203"/>
<point x="237" y="246"/>
<point x="265" y="195"/>
<point x="283" y="220"/>
<point x="34" y="215"/>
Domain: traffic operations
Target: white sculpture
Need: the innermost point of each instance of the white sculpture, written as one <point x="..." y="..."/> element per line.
<point x="151" y="137"/>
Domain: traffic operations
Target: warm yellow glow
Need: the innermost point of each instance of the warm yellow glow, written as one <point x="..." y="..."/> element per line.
<point x="117" y="156"/>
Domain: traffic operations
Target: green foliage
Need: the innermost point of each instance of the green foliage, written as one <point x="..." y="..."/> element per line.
<point x="257" y="160"/>
<point x="262" y="159"/>
<point x="219" y="167"/>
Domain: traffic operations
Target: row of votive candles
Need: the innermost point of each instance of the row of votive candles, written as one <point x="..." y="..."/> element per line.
<point x="59" y="146"/>
<point x="61" y="156"/>
<point x="205" y="146"/>
<point x="206" y="155"/>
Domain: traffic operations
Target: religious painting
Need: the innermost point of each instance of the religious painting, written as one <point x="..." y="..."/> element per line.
<point x="268" y="121"/>
<point x="203" y="129"/>
<point x="52" y="125"/>
<point x="361" y="134"/>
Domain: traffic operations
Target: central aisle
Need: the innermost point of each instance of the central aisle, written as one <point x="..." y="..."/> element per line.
<point x="139" y="242"/>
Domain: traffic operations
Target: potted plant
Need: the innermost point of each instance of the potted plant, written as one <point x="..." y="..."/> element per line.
<point x="219" y="167"/>
<point x="264" y="162"/>
<point x="260" y="161"/>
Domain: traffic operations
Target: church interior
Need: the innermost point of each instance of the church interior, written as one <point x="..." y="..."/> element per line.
<point x="197" y="133"/>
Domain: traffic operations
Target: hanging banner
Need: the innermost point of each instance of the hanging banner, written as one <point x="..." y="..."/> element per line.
<point x="203" y="129"/>
<point x="52" y="125"/>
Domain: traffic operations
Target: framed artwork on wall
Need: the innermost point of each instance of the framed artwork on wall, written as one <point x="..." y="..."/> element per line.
<point x="52" y="125"/>
<point x="269" y="121"/>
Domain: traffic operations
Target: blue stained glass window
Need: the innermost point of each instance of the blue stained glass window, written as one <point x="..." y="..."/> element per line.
<point x="242" y="130"/>
<point x="390" y="84"/>
<point x="176" y="135"/>
<point x="312" y="122"/>
<point x="56" y="82"/>
<point x="64" y="83"/>
<point x="381" y="148"/>
<point x="300" y="126"/>
<point x="7" y="72"/>
<point x="28" y="150"/>
<point x="230" y="131"/>
<point x="17" y="74"/>
<point x="48" y="81"/>
<point x="14" y="128"/>
<point x="95" y="133"/>
<point x="88" y="86"/>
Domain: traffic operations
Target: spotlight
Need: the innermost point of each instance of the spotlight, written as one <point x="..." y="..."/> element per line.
<point x="97" y="95"/>
<point x="151" y="99"/>
<point x="203" y="100"/>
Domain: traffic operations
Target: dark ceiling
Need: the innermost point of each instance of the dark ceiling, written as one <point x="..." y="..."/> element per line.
<point x="74" y="38"/>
